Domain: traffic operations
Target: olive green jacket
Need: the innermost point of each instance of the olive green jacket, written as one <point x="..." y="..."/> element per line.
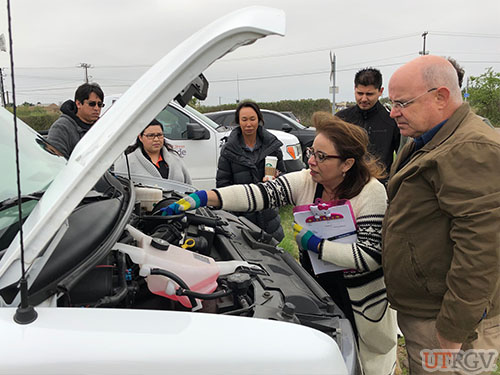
<point x="441" y="232"/>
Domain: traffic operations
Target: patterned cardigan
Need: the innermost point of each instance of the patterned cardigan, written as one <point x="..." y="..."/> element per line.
<point x="376" y="323"/>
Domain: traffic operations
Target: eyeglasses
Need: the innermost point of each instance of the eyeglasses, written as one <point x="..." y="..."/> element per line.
<point x="400" y="105"/>
<point x="320" y="156"/>
<point x="93" y="104"/>
<point x="152" y="136"/>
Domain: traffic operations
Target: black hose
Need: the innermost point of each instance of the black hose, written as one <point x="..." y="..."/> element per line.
<point x="187" y="292"/>
<point x="122" y="292"/>
<point x="177" y="279"/>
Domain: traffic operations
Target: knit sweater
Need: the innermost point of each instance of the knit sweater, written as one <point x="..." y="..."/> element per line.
<point x="375" y="322"/>
<point x="140" y="165"/>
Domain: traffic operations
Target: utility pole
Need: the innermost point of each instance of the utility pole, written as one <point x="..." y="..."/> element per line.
<point x="332" y="78"/>
<point x="2" y="89"/>
<point x="238" y="87"/>
<point x="86" y="67"/>
<point x="424" y="52"/>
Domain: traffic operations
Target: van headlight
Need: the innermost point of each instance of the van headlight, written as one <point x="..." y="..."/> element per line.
<point x="295" y="151"/>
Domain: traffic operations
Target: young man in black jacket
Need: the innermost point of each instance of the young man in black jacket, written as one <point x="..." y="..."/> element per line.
<point x="372" y="116"/>
<point x="77" y="118"/>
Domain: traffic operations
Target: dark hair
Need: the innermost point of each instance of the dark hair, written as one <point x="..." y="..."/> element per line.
<point x="249" y="104"/>
<point x="367" y="77"/>
<point x="138" y="142"/>
<point x="350" y="141"/>
<point x="459" y="69"/>
<point x="83" y="92"/>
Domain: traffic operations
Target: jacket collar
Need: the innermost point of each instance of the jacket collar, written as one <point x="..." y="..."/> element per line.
<point x="70" y="109"/>
<point x="448" y="128"/>
<point x="366" y="113"/>
<point x="442" y="135"/>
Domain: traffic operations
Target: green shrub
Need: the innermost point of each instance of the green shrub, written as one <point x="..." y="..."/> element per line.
<point x="39" y="121"/>
<point x="38" y="118"/>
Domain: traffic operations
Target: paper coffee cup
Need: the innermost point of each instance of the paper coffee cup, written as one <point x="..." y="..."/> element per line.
<point x="270" y="166"/>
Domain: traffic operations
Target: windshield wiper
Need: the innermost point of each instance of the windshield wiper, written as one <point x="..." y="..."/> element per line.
<point x="10" y="202"/>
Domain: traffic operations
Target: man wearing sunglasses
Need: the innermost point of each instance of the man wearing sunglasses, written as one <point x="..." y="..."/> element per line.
<point x="440" y="234"/>
<point x="77" y="118"/>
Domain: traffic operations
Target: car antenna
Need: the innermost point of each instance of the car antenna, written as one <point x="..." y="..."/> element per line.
<point x="25" y="313"/>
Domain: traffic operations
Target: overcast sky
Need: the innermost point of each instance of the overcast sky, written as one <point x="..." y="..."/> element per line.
<point x="122" y="38"/>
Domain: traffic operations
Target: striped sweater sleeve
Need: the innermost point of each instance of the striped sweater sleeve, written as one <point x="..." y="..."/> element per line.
<point x="364" y="254"/>
<point x="254" y="197"/>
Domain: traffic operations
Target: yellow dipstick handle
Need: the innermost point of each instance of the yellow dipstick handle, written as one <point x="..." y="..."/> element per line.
<point x="188" y="243"/>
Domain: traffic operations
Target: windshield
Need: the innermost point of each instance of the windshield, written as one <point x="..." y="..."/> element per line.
<point x="295" y="123"/>
<point x="205" y="119"/>
<point x="38" y="165"/>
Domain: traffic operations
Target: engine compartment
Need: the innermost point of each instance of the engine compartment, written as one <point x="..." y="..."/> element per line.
<point x="89" y="269"/>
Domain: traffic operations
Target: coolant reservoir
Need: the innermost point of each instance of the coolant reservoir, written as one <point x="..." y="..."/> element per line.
<point x="199" y="272"/>
<point x="148" y="197"/>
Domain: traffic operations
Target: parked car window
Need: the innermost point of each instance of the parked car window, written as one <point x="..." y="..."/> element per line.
<point x="202" y="117"/>
<point x="174" y="123"/>
<point x="226" y="120"/>
<point x="271" y="121"/>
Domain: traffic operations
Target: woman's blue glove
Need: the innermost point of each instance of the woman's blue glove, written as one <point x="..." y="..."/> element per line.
<point x="306" y="239"/>
<point x="191" y="202"/>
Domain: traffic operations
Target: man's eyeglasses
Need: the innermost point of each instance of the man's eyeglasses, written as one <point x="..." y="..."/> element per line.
<point x="400" y="105"/>
<point x="152" y="136"/>
<point x="320" y="156"/>
<point x="93" y="104"/>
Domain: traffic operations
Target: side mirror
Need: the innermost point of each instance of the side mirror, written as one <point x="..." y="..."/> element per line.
<point x="197" y="88"/>
<point x="196" y="131"/>
<point x="286" y="128"/>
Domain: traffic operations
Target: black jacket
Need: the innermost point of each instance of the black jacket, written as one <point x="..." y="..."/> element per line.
<point x="238" y="165"/>
<point x="381" y="128"/>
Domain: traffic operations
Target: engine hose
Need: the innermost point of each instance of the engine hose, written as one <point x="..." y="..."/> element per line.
<point x="187" y="292"/>
<point x="177" y="279"/>
<point x="122" y="292"/>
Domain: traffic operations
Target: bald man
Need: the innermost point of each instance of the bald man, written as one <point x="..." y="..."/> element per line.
<point x="441" y="233"/>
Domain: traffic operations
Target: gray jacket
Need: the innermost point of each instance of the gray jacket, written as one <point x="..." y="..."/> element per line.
<point x="67" y="130"/>
<point x="141" y="166"/>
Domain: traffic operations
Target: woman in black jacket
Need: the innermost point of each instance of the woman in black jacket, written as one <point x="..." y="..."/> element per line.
<point x="242" y="161"/>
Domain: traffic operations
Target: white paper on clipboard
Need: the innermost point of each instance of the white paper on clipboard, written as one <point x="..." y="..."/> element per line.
<point x="334" y="221"/>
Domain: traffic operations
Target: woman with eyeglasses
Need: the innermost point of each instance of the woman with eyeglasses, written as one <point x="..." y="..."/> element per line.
<point x="151" y="155"/>
<point x="340" y="167"/>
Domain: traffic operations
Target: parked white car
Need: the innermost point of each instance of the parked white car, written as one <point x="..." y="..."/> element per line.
<point x="114" y="292"/>
<point x="198" y="139"/>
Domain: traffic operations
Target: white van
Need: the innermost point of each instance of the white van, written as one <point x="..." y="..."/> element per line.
<point x="198" y="140"/>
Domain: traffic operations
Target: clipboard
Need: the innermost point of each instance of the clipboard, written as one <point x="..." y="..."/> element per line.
<point x="333" y="221"/>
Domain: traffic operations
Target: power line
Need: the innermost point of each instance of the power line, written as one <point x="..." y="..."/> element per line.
<point x="470" y="35"/>
<point x="300" y="52"/>
<point x="479" y="62"/>
<point x="295" y="74"/>
<point x="93" y="66"/>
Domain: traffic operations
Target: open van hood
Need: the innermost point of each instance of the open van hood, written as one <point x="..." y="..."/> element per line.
<point x="105" y="141"/>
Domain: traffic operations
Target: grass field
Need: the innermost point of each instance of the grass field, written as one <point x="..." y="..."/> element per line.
<point x="288" y="242"/>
